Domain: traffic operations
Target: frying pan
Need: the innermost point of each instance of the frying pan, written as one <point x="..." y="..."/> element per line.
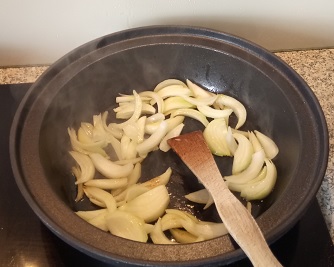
<point x="86" y="81"/>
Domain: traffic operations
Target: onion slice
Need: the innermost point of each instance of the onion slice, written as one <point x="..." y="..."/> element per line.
<point x="158" y="236"/>
<point x="108" y="168"/>
<point x="100" y="197"/>
<point x="197" y="90"/>
<point x="207" y="101"/>
<point x="99" y="221"/>
<point x="261" y="189"/>
<point x="157" y="99"/>
<point x="153" y="141"/>
<point x="201" y="196"/>
<point x="174" y="103"/>
<point x="174" y="90"/>
<point x="126" y="225"/>
<point x="192" y="113"/>
<point x="243" y="154"/>
<point x="184" y="237"/>
<point x="86" y="148"/>
<point x="215" y="136"/>
<point x="269" y="146"/>
<point x="126" y="111"/>
<point x="250" y="172"/>
<point x="150" y="205"/>
<point x="203" y="229"/>
<point x="80" y="193"/>
<point x="87" y="169"/>
<point x="137" y="111"/>
<point x="172" y="133"/>
<point x="239" y="187"/>
<point x="214" y="113"/>
<point x="162" y="179"/>
<point x="168" y="82"/>
<point x="107" y="183"/>
<point x="237" y="107"/>
<point x="90" y="214"/>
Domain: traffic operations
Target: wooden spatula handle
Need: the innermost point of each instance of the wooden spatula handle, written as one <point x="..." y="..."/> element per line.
<point x="241" y="225"/>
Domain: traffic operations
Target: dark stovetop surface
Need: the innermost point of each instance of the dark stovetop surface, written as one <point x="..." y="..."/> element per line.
<point x="25" y="241"/>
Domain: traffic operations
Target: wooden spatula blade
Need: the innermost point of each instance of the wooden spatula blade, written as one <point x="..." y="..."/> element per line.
<point x="194" y="152"/>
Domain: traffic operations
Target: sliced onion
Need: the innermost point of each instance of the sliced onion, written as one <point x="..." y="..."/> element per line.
<point x="174" y="103"/>
<point x="173" y="122"/>
<point x="215" y="136"/>
<point x="150" y="128"/>
<point x="137" y="111"/>
<point x="162" y="179"/>
<point x="125" y="141"/>
<point x="80" y="193"/>
<point x="250" y="172"/>
<point x="87" y="169"/>
<point x="150" y="205"/>
<point x="230" y="141"/>
<point x="131" y="151"/>
<point x="174" y="90"/>
<point x="108" y="168"/>
<point x="107" y="183"/>
<point x="129" y="98"/>
<point x="126" y="111"/>
<point x="131" y="193"/>
<point x="201" y="196"/>
<point x="86" y="148"/>
<point x="99" y="132"/>
<point x="88" y="129"/>
<point x="243" y="154"/>
<point x="133" y="178"/>
<point x="168" y="82"/>
<point x="135" y="131"/>
<point x="255" y="142"/>
<point x="153" y="141"/>
<point x="197" y="90"/>
<point x="237" y="107"/>
<point x="259" y="190"/>
<point x="244" y="133"/>
<point x="90" y="214"/>
<point x="85" y="135"/>
<point x="157" y="117"/>
<point x="206" y="230"/>
<point x="207" y="101"/>
<point x="184" y="237"/>
<point x="239" y="187"/>
<point x="127" y="161"/>
<point x="158" y="236"/>
<point x="135" y="174"/>
<point x="171" y="134"/>
<point x="148" y="201"/>
<point x="99" y="221"/>
<point x="100" y="197"/>
<point x="157" y="99"/>
<point x="192" y="113"/>
<point x="127" y="225"/>
<point x="269" y="146"/>
<point x="214" y="113"/>
<point x="112" y="128"/>
<point x="170" y="220"/>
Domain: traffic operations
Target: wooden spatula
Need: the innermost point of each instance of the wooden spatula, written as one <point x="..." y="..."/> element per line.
<point x="194" y="152"/>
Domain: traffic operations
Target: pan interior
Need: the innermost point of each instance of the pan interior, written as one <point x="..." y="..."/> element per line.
<point x="90" y="85"/>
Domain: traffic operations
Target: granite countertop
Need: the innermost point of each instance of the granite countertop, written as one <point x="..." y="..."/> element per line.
<point x="317" y="69"/>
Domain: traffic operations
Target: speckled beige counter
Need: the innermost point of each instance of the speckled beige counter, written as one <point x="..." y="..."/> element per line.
<point x="315" y="66"/>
